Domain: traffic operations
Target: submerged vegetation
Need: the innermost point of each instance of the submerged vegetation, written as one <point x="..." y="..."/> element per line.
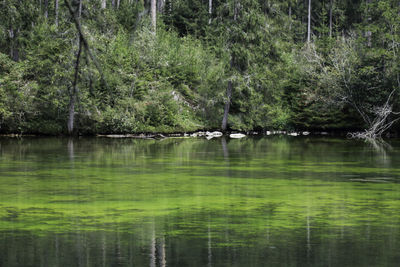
<point x="122" y="66"/>
<point x="106" y="202"/>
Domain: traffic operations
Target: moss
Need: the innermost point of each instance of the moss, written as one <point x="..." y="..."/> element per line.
<point x="132" y="182"/>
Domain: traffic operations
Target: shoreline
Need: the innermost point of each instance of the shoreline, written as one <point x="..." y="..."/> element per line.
<point x="205" y="134"/>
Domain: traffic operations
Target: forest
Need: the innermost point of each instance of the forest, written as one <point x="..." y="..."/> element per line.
<point x="133" y="66"/>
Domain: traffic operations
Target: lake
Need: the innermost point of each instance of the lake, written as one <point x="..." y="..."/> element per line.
<point x="271" y="201"/>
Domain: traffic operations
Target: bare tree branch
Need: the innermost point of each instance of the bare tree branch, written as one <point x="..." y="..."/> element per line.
<point x="84" y="41"/>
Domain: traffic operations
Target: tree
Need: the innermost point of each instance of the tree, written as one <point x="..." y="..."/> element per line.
<point x="56" y="12"/>
<point x="153" y="7"/>
<point x="229" y="64"/>
<point x="46" y="8"/>
<point x="247" y="36"/>
<point x="227" y="106"/>
<point x="80" y="8"/>
<point x="309" y="22"/>
<point x="17" y="19"/>
<point x="82" y="42"/>
<point x="229" y="88"/>
<point x="345" y="81"/>
<point x="209" y="10"/>
<point x="73" y="92"/>
<point x="330" y="18"/>
<point x="160" y="5"/>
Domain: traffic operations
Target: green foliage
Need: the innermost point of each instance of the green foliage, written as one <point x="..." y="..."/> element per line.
<point x="17" y="103"/>
<point x="135" y="80"/>
<point x="155" y="83"/>
<point x="188" y="17"/>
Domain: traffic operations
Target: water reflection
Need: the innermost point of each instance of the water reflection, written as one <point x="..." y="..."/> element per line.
<point x="105" y="249"/>
<point x="178" y="202"/>
<point x="71" y="149"/>
<point x="225" y="149"/>
<point x="381" y="149"/>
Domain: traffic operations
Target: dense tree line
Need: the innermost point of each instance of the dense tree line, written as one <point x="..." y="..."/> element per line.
<point x="119" y="66"/>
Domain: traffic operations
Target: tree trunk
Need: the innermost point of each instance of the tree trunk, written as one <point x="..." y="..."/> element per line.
<point x="118" y="2"/>
<point x="227" y="106"/>
<point x="80" y="8"/>
<point x="74" y="92"/>
<point x="235" y="5"/>
<point x="14" y="52"/>
<point x="160" y="6"/>
<point x="309" y="22"/>
<point x="368" y="33"/>
<point x="46" y="8"/>
<point x="330" y="18"/>
<point x="103" y="4"/>
<point x="153" y="8"/>
<point x="230" y="85"/>
<point x="11" y="35"/>
<point x="71" y="113"/>
<point x="209" y="10"/>
<point x="56" y="7"/>
<point x="84" y="42"/>
<point x="290" y="16"/>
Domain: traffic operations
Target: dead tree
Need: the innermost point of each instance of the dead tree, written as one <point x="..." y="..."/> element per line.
<point x="83" y="39"/>
<point x="384" y="118"/>
<point x="82" y="43"/>
<point x="337" y="78"/>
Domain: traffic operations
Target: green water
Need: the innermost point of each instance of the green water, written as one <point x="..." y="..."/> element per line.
<point x="274" y="201"/>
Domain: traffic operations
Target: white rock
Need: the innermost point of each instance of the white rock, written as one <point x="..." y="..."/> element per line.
<point x="214" y="134"/>
<point x="238" y="135"/>
<point x="115" y="136"/>
<point x="268" y="133"/>
<point x="305" y="133"/>
<point x="293" y="134"/>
